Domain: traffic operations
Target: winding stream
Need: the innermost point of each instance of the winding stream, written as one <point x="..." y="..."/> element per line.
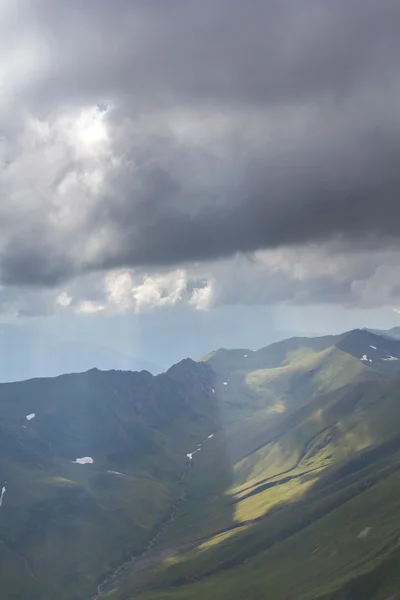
<point x="3" y="491"/>
<point x="125" y="567"/>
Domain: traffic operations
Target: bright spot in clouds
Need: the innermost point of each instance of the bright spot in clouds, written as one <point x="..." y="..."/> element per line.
<point x="87" y="131"/>
<point x="64" y="299"/>
<point x="89" y="307"/>
<point x="201" y="298"/>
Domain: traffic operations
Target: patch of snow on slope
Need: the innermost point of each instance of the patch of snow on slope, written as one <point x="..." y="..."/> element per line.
<point x="190" y="454"/>
<point x="364" y="533"/>
<point x="364" y="357"/>
<point x="224" y="383"/>
<point x="86" y="460"/>
<point x="373" y="347"/>
<point x="3" y="491"/>
<point x="245" y="355"/>
<point x="199" y="447"/>
<point x="390" y="357"/>
<point x="30" y="416"/>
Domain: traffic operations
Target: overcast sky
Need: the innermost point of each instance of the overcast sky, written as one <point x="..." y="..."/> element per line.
<point x="177" y="157"/>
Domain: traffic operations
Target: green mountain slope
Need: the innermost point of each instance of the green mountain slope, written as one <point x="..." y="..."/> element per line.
<point x="300" y="502"/>
<point x="273" y="473"/>
<point x="64" y="525"/>
<point x="289" y="373"/>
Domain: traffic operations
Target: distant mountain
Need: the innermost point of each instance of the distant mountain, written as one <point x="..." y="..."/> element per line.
<point x="74" y="357"/>
<point x="394" y="332"/>
<point x="286" y="374"/>
<point x="26" y="352"/>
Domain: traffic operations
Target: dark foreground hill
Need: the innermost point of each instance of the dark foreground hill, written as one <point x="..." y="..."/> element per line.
<point x="65" y="521"/>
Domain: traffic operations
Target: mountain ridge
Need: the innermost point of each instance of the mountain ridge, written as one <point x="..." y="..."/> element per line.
<point x="103" y="465"/>
<point x="334" y="446"/>
<point x="135" y="428"/>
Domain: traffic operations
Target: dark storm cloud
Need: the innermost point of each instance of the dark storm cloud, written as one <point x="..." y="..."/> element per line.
<point x="297" y="103"/>
<point x="343" y="191"/>
<point x="227" y="51"/>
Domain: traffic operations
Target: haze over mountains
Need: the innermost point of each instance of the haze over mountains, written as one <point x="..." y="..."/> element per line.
<point x="394" y="332"/>
<point x="214" y="479"/>
<point x="27" y="351"/>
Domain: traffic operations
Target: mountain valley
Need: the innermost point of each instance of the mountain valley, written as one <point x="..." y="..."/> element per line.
<point x="247" y="474"/>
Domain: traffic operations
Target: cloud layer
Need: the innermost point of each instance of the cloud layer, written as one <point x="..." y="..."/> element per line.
<point x="163" y="137"/>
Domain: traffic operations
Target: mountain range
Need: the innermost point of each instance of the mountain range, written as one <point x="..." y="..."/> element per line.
<point x="248" y="474"/>
<point x="394" y="332"/>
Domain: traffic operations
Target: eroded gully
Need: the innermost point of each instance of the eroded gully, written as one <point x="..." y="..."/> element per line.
<point x="129" y="565"/>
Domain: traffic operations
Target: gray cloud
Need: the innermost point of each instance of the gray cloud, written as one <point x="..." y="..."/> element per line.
<point x="229" y="51"/>
<point x="236" y="126"/>
<point x="316" y="274"/>
<point x="304" y="275"/>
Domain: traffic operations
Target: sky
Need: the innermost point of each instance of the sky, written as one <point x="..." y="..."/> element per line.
<point x="182" y="175"/>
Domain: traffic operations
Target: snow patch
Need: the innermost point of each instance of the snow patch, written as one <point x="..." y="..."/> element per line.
<point x="390" y="357"/>
<point x="190" y="455"/>
<point x="373" y="347"/>
<point x="245" y="355"/>
<point x="364" y="533"/>
<point x="224" y="383"/>
<point x="30" y="416"/>
<point x="364" y="357"/>
<point x="199" y="447"/>
<point x="86" y="460"/>
<point x="115" y="472"/>
<point x="3" y="491"/>
<point x="213" y="391"/>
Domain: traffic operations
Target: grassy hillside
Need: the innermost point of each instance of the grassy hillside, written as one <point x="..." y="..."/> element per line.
<point x="272" y="473"/>
<point x="331" y="519"/>
<point x="343" y="545"/>
<point x="287" y="374"/>
<point x="64" y="525"/>
<point x="297" y="502"/>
